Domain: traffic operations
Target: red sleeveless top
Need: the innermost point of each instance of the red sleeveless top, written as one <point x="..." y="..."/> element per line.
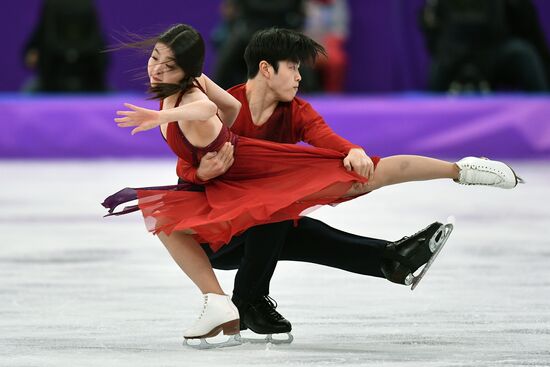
<point x="181" y="146"/>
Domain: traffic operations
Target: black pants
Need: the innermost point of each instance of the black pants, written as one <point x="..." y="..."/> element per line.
<point x="256" y="253"/>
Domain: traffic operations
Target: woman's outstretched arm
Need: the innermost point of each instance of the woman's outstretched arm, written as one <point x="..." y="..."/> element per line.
<point x="146" y="119"/>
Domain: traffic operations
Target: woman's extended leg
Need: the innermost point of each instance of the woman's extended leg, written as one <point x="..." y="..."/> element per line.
<point x="404" y="168"/>
<point x="467" y="171"/>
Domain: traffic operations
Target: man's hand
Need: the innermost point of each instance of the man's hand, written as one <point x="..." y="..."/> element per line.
<point x="359" y="162"/>
<point x="215" y="164"/>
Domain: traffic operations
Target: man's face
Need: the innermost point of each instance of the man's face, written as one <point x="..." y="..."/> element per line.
<point x="285" y="82"/>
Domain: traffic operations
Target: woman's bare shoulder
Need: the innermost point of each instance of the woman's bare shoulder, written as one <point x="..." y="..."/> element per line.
<point x="193" y="95"/>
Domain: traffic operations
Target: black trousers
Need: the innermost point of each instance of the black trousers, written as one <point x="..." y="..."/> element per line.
<point x="256" y="252"/>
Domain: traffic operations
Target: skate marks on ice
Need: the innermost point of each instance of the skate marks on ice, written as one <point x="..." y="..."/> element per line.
<point x="105" y="293"/>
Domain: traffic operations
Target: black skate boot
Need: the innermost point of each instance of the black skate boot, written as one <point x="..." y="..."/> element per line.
<point x="408" y="254"/>
<point x="261" y="317"/>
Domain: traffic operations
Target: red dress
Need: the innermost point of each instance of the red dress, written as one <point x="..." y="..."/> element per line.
<point x="291" y="122"/>
<point x="268" y="182"/>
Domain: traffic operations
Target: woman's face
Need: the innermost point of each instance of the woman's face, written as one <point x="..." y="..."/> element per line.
<point x="162" y="66"/>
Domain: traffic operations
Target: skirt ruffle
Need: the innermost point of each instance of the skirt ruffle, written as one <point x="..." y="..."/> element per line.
<point x="268" y="183"/>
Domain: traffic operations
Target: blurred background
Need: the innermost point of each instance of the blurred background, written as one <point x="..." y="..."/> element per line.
<point x="443" y="78"/>
<point x="492" y="52"/>
<point x="386" y="48"/>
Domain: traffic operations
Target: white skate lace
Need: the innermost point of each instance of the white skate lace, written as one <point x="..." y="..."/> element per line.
<point x="472" y="172"/>
<point x="203" y="307"/>
<point x="476" y="174"/>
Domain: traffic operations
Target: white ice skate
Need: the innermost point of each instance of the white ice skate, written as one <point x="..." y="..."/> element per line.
<point x="483" y="171"/>
<point x="218" y="314"/>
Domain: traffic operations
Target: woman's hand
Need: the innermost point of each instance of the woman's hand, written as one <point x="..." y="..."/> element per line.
<point x="143" y="118"/>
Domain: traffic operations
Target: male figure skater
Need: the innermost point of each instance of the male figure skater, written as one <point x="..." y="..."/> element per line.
<point x="271" y="111"/>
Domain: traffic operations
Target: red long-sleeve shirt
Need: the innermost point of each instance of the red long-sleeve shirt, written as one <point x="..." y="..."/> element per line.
<point x="291" y="122"/>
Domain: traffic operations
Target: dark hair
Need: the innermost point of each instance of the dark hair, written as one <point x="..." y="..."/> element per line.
<point x="279" y="44"/>
<point x="188" y="48"/>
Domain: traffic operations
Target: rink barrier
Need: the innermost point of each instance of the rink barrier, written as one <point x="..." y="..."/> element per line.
<point x="501" y="126"/>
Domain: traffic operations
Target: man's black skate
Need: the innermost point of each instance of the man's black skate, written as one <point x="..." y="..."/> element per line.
<point x="261" y="317"/>
<point x="409" y="253"/>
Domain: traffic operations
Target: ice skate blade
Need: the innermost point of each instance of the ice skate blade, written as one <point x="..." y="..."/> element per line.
<point x="202" y="343"/>
<point x="437" y="244"/>
<point x="519" y="180"/>
<point x="439" y="237"/>
<point x="267" y="339"/>
<point x="409" y="279"/>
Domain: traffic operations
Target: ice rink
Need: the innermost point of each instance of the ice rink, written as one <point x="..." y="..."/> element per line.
<point x="80" y="290"/>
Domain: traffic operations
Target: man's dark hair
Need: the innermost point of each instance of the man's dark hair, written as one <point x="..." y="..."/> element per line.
<point x="278" y="44"/>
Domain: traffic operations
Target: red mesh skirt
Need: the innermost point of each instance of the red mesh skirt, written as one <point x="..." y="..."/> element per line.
<point x="269" y="182"/>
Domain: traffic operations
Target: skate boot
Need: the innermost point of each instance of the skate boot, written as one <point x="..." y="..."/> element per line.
<point x="218" y="314"/>
<point x="483" y="171"/>
<point x="407" y="255"/>
<point x="261" y="317"/>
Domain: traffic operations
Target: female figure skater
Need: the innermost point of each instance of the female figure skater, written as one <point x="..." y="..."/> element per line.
<point x="268" y="182"/>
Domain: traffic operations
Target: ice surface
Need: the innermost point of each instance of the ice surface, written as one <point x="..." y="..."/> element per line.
<point x="80" y="290"/>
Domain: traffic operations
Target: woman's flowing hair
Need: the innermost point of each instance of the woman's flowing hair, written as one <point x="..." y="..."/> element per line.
<point x="188" y="48"/>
